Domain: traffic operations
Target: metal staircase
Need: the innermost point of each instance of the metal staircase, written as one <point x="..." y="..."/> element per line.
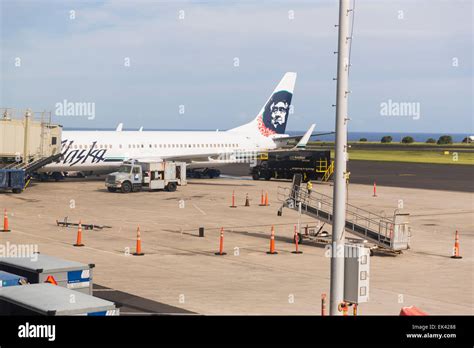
<point x="40" y="163"/>
<point x="388" y="233"/>
<point x="326" y="168"/>
<point x="328" y="173"/>
<point x="33" y="166"/>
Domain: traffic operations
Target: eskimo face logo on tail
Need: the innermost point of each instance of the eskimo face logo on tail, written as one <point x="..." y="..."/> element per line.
<point x="275" y="114"/>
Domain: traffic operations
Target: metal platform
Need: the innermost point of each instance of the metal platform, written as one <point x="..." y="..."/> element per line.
<point x="388" y="233"/>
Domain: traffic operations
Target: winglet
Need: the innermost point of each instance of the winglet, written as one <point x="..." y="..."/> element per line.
<point x="304" y="140"/>
<point x="119" y="127"/>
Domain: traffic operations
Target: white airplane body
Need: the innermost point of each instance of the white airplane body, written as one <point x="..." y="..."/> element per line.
<point x="104" y="151"/>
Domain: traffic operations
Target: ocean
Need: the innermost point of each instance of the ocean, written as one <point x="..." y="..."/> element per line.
<point x="376" y="136"/>
<point x="352" y="136"/>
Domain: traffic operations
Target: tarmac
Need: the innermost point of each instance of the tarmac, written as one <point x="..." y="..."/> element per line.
<point x="398" y="174"/>
<point x="447" y="177"/>
<point x="180" y="272"/>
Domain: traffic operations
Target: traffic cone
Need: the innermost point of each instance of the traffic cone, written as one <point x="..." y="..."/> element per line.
<point x="233" y="200"/>
<point x="296" y="243"/>
<point x="79" y="236"/>
<point x="412" y="310"/>
<point x="342" y="307"/>
<point x="272" y="243"/>
<point x="266" y="199"/>
<point x="456" y="247"/>
<point x="5" y="221"/>
<point x="262" y="200"/>
<point x="221" y="244"/>
<point x="323" y="305"/>
<point x="138" y="251"/>
<point x="375" y="189"/>
<point x="247" y="202"/>
<point x="51" y="280"/>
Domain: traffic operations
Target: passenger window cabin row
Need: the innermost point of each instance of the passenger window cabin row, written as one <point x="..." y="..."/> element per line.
<point x="137" y="146"/>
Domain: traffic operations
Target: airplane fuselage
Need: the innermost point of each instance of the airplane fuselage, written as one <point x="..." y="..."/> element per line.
<point x="105" y="150"/>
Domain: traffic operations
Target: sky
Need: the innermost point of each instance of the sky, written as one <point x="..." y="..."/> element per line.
<point x="173" y="64"/>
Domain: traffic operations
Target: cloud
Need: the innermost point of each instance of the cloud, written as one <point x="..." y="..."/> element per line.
<point x="191" y="61"/>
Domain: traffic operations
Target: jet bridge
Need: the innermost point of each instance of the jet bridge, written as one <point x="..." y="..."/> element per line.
<point x="27" y="136"/>
<point x="388" y="233"/>
<point x="28" y="142"/>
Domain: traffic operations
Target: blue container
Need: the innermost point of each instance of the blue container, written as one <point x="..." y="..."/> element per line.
<point x="9" y="279"/>
<point x="4" y="178"/>
<point x="12" y="179"/>
<point x="17" y="179"/>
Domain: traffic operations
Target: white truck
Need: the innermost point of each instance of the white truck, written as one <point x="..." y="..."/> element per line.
<point x="147" y="175"/>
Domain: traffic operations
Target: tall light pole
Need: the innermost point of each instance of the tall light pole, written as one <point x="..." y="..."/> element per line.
<point x="340" y="165"/>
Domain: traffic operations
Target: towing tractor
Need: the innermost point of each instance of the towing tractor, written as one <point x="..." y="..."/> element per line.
<point x="147" y="175"/>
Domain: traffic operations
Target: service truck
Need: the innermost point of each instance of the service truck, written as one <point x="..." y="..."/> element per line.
<point x="147" y="175"/>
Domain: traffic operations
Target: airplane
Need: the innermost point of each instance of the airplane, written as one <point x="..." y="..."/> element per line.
<point x="104" y="151"/>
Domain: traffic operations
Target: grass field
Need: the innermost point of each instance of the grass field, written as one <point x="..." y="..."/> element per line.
<point x="412" y="156"/>
<point x="415" y="144"/>
<point x="359" y="144"/>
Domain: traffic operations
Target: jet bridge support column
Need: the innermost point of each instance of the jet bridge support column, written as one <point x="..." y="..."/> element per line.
<point x="339" y="207"/>
<point x="26" y="137"/>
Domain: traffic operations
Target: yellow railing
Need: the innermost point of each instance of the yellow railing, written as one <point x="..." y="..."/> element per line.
<point x="328" y="172"/>
<point x="322" y="165"/>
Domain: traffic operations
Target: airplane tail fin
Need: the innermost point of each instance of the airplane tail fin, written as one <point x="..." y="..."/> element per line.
<point x="273" y="116"/>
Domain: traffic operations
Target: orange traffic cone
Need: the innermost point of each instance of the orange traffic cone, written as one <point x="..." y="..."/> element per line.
<point x="272" y="242"/>
<point x="343" y="307"/>
<point x="266" y="199"/>
<point x="375" y="190"/>
<point x="51" y="280"/>
<point x="456" y="247"/>
<point x="233" y="200"/>
<point x="247" y="202"/>
<point x="138" y="251"/>
<point x="323" y="304"/>
<point x="412" y="310"/>
<point x="5" y="221"/>
<point x="297" y="237"/>
<point x="221" y="244"/>
<point x="79" y="236"/>
<point x="262" y="200"/>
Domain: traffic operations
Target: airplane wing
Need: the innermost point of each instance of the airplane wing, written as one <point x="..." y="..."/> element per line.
<point x="183" y="158"/>
<point x="285" y="140"/>
<point x="298" y="137"/>
<point x="203" y="160"/>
